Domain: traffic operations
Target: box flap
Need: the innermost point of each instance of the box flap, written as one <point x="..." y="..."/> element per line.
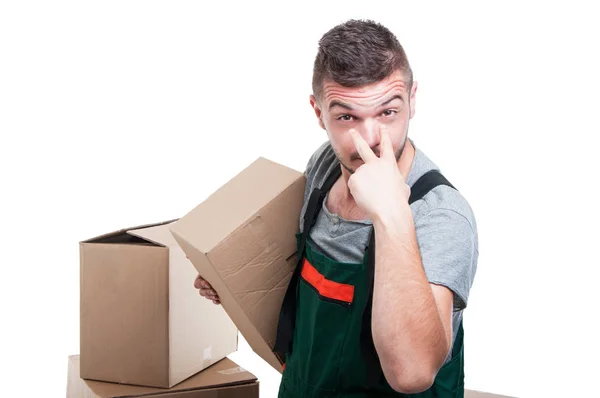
<point x="158" y="234"/>
<point x="192" y="343"/>
<point x="234" y="203"/>
<point x="223" y="373"/>
<point x="106" y="237"/>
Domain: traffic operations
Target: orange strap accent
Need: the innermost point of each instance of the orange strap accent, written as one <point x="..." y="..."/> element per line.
<point x="325" y="287"/>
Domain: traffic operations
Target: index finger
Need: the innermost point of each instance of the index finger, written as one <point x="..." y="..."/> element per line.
<point x="363" y="149"/>
<point x="385" y="142"/>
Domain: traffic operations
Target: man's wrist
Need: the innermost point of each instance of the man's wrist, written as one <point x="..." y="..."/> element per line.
<point x="398" y="221"/>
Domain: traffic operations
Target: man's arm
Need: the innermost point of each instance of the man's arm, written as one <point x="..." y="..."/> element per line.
<point x="412" y="319"/>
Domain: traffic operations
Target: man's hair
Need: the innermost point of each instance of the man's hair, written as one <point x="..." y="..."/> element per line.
<point x="356" y="53"/>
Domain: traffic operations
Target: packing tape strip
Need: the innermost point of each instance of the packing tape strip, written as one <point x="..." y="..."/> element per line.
<point x="231" y="371"/>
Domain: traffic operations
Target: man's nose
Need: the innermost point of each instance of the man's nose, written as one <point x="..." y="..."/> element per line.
<point x="370" y="133"/>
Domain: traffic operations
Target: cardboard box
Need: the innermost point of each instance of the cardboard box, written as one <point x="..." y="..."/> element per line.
<point x="242" y="240"/>
<point x="479" y="394"/>
<point x="142" y="320"/>
<point x="225" y="379"/>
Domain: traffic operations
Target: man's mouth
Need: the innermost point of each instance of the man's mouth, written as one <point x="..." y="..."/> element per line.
<point x="357" y="157"/>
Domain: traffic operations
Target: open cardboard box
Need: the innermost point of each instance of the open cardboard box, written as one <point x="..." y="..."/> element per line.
<point x="242" y="240"/>
<point x="224" y="379"/>
<point x="142" y="320"/>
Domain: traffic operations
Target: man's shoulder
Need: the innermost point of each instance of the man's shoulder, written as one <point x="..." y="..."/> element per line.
<point x="442" y="201"/>
<point x="320" y="164"/>
<point x="445" y="203"/>
<point x="318" y="167"/>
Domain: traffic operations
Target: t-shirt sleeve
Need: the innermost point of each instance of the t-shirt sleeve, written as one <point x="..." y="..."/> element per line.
<point x="311" y="163"/>
<point x="309" y="175"/>
<point x="448" y="247"/>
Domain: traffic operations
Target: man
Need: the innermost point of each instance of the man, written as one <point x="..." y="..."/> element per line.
<point x="389" y="246"/>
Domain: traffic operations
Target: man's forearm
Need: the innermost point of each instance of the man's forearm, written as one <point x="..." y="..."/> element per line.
<point x="408" y="331"/>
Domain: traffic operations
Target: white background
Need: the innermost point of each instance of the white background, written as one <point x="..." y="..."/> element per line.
<point x="120" y="113"/>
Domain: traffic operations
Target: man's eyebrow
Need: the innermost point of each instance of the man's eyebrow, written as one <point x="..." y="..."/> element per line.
<point x="387" y="101"/>
<point x="350" y="108"/>
<point x="340" y="104"/>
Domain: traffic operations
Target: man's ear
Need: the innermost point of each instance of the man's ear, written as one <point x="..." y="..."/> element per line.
<point x="315" y="105"/>
<point x="413" y="91"/>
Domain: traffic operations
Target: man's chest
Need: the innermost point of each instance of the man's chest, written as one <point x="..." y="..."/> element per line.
<point x="339" y="204"/>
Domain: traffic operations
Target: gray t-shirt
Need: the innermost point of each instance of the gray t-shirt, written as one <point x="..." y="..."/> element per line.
<point x="444" y="222"/>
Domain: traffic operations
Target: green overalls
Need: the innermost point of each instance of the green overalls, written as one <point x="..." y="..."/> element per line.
<point x="325" y="322"/>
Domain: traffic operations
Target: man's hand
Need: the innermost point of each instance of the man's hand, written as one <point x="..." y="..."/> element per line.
<point x="377" y="186"/>
<point x="206" y="289"/>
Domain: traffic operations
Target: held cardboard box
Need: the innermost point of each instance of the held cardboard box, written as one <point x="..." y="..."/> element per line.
<point x="225" y="379"/>
<point x="142" y="320"/>
<point x="242" y="240"/>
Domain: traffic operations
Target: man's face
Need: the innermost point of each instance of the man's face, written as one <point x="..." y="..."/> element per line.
<point x="363" y="109"/>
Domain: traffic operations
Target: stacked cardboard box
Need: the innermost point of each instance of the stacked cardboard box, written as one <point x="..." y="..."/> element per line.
<point x="479" y="394"/>
<point x="225" y="379"/>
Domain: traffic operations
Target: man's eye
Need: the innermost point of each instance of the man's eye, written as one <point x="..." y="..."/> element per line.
<point x="389" y="112"/>
<point x="345" y="118"/>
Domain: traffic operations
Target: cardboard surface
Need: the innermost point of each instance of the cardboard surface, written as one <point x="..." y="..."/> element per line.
<point x="242" y="240"/>
<point x="479" y="394"/>
<point x="142" y="321"/>
<point x="224" y="379"/>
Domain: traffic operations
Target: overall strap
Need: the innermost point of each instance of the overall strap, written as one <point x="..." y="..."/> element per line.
<point x="458" y="344"/>
<point x="424" y="184"/>
<point x="287" y="314"/>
